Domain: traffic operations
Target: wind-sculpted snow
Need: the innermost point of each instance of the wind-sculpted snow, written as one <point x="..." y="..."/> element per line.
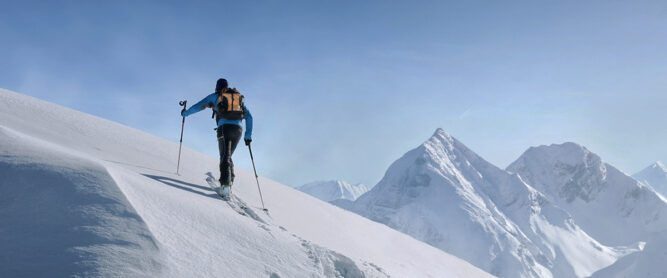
<point x="83" y="196"/>
<point x="62" y="215"/>
<point x="446" y="195"/>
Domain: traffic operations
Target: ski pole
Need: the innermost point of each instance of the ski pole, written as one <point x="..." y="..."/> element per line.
<point x="256" y="178"/>
<point x="183" y="103"/>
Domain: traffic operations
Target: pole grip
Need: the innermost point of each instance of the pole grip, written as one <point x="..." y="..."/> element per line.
<point x="183" y="103"/>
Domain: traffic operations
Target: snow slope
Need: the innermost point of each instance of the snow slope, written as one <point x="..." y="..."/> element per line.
<point x="63" y="215"/>
<point x="654" y="176"/>
<point x="649" y="263"/>
<point x="333" y="190"/>
<point x="84" y="196"/>
<point x="446" y="195"/>
<point x="609" y="205"/>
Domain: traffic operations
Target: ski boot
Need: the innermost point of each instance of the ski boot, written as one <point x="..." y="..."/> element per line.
<point x="225" y="191"/>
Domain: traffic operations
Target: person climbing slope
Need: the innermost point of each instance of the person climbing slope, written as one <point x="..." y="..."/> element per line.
<point x="230" y="110"/>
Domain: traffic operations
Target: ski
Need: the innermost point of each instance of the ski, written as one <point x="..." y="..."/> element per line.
<point x="229" y="197"/>
<point x="233" y="201"/>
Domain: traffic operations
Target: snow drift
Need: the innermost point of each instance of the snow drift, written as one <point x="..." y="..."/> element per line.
<point x="84" y="196"/>
<point x="63" y="215"/>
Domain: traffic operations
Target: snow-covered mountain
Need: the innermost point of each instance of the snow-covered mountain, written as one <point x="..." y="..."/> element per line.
<point x="654" y="176"/>
<point x="83" y="196"/>
<point x="333" y="190"/>
<point x="608" y="204"/>
<point x="446" y="195"/>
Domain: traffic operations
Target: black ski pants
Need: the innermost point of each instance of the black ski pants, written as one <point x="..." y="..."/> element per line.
<point x="228" y="138"/>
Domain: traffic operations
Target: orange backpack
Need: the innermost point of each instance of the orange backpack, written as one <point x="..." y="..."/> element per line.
<point x="230" y="105"/>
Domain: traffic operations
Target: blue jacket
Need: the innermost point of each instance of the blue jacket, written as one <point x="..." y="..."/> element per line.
<point x="212" y="101"/>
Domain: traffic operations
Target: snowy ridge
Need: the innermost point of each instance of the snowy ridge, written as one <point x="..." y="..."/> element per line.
<point x="110" y="205"/>
<point x="597" y="195"/>
<point x="654" y="176"/>
<point x="333" y="190"/>
<point x="649" y="263"/>
<point x="442" y="192"/>
<point x="609" y="205"/>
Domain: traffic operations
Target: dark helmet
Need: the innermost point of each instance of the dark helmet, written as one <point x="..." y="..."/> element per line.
<point x="221" y="84"/>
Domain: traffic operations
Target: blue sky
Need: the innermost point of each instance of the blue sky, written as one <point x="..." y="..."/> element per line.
<point x="340" y="89"/>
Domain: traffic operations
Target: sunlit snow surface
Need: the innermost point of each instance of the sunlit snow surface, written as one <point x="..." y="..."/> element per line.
<point x="83" y="196"/>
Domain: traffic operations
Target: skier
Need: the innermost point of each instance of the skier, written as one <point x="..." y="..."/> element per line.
<point x="229" y="110"/>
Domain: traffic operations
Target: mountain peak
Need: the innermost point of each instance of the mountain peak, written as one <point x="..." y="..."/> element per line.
<point x="334" y="190"/>
<point x="596" y="193"/>
<point x="440" y="132"/>
<point x="573" y="173"/>
<point x="440" y="136"/>
<point x="656" y="169"/>
<point x="568" y="153"/>
<point x="569" y="147"/>
<point x="654" y="176"/>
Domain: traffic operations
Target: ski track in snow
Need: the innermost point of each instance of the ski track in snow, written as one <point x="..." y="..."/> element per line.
<point x="83" y="196"/>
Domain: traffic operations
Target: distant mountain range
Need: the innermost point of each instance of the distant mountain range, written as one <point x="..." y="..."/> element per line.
<point x="557" y="211"/>
<point x="334" y="190"/>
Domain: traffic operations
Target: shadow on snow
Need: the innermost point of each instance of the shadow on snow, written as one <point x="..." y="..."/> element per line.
<point x="184" y="185"/>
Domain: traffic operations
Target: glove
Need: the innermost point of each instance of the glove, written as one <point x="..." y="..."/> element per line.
<point x="247" y="141"/>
